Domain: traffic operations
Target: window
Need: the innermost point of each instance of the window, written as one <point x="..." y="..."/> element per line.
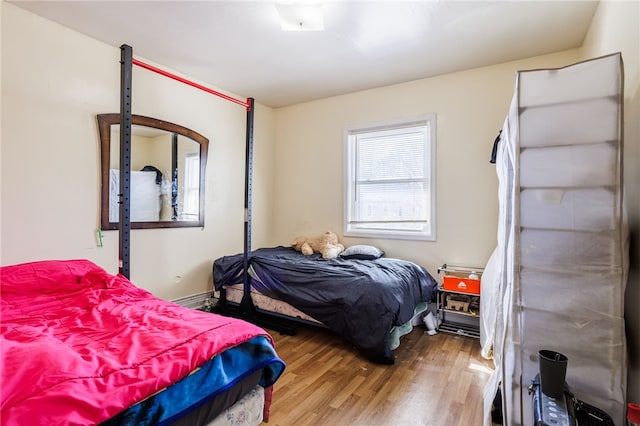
<point x="191" y="203"/>
<point x="390" y="180"/>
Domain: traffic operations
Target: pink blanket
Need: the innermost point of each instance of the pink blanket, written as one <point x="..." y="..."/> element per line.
<point x="80" y="345"/>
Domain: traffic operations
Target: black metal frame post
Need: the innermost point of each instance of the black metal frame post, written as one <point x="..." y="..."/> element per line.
<point x="246" y="305"/>
<point x="247" y="308"/>
<point x="126" y="65"/>
<point x="174" y="176"/>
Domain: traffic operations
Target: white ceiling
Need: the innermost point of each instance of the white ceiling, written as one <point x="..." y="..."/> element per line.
<point x="238" y="46"/>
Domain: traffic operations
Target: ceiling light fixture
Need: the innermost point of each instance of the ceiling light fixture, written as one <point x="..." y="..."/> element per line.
<point x="300" y="16"/>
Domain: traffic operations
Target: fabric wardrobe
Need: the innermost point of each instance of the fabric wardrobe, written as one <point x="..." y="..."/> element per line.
<point x="557" y="277"/>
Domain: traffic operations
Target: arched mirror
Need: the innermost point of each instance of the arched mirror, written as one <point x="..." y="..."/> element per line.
<point x="168" y="164"/>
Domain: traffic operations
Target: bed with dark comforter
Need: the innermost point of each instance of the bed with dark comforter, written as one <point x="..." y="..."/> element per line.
<point x="82" y="346"/>
<point x="362" y="300"/>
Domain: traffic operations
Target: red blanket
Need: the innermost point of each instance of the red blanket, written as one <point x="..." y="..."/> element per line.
<point x="80" y="345"/>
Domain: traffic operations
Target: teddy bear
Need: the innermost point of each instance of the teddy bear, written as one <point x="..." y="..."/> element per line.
<point x="326" y="244"/>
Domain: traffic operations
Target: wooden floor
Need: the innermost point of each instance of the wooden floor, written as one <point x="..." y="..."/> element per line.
<point x="436" y="380"/>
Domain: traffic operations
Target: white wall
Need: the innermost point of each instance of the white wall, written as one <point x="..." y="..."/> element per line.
<point x="616" y="28"/>
<point x="470" y="109"/>
<point x="54" y="82"/>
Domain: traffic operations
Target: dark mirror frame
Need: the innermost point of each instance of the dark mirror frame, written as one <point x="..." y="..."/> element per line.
<point x="105" y="121"/>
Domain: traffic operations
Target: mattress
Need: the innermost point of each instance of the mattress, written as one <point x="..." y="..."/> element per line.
<point x="235" y="292"/>
<point x="241" y="405"/>
<point x="82" y="346"/>
<point x="246" y="412"/>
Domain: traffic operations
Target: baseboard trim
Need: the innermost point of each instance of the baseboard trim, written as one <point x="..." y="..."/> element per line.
<point x="195" y="301"/>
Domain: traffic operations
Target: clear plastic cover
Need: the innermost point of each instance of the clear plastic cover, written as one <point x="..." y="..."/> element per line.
<point x="556" y="280"/>
<point x="144" y="196"/>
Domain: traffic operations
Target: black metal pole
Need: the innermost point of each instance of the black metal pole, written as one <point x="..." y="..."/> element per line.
<point x="246" y="305"/>
<point x="247" y="309"/>
<point x="126" y="65"/>
<point x="174" y="176"/>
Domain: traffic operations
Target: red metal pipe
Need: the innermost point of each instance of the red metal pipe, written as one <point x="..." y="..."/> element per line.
<point x="141" y="64"/>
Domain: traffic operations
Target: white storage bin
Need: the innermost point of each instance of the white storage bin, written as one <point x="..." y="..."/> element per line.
<point x="569" y="166"/>
<point x="580" y="209"/>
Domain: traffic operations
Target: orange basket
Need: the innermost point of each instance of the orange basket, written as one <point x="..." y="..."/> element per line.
<point x="462" y="285"/>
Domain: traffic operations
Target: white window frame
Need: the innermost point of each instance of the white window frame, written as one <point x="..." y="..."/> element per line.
<point x="359" y="229"/>
<point x="191" y="188"/>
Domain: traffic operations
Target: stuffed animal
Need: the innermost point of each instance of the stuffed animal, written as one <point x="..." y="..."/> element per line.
<point x="326" y="244"/>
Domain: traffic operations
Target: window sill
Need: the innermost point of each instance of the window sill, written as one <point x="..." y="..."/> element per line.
<point x="390" y="235"/>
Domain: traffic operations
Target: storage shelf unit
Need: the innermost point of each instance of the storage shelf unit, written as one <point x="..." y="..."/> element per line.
<point x="458" y="300"/>
<point x="561" y="262"/>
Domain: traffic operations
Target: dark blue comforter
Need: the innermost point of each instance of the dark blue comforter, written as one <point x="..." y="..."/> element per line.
<point x="362" y="300"/>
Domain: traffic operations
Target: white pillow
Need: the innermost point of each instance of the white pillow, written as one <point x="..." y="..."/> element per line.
<point x="362" y="252"/>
